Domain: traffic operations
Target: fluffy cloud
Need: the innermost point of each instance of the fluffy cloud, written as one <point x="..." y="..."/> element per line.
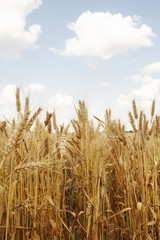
<point x="144" y="95"/>
<point x="13" y="35"/>
<point x="62" y="101"/>
<point x="8" y="94"/>
<point x="151" y="68"/>
<point x="35" y="87"/>
<point x="104" y="35"/>
<point x="7" y="101"/>
<point x="63" y="105"/>
<point x="140" y="79"/>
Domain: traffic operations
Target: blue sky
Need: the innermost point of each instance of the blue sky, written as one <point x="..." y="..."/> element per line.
<point x="105" y="52"/>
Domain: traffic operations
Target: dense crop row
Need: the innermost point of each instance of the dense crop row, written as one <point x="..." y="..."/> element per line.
<point x="96" y="183"/>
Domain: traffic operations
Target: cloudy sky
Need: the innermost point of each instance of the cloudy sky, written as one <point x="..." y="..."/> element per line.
<point x="105" y="52"/>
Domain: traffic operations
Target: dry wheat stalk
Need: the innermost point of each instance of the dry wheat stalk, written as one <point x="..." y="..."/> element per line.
<point x="16" y="136"/>
<point x="13" y="142"/>
<point x="140" y="120"/>
<point x="89" y="207"/>
<point x="48" y="117"/>
<point x="18" y="102"/>
<point x="2" y="204"/>
<point x="26" y="108"/>
<point x="33" y="118"/>
<point x="54" y="121"/>
<point x="152" y="128"/>
<point x="132" y="121"/>
<point x="120" y="173"/>
<point x="153" y="108"/>
<point x="135" y="109"/>
<point x="46" y="146"/>
<point x="32" y="165"/>
<point x="66" y="129"/>
<point x="157" y="125"/>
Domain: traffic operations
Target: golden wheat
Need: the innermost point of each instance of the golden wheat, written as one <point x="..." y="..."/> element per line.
<point x="89" y="182"/>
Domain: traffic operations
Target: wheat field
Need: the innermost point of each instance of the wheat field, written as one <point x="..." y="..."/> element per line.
<point x="98" y="183"/>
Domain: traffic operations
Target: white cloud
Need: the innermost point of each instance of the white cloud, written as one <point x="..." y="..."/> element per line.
<point x="64" y="107"/>
<point x="141" y="79"/>
<point x="148" y="91"/>
<point x="13" y="35"/>
<point x="7" y="101"/>
<point x="62" y="101"/>
<point x="104" y="84"/>
<point x="151" y="68"/>
<point x="35" y="87"/>
<point x="144" y="95"/>
<point x="105" y="35"/>
<point x="137" y="18"/>
<point x="8" y="94"/>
